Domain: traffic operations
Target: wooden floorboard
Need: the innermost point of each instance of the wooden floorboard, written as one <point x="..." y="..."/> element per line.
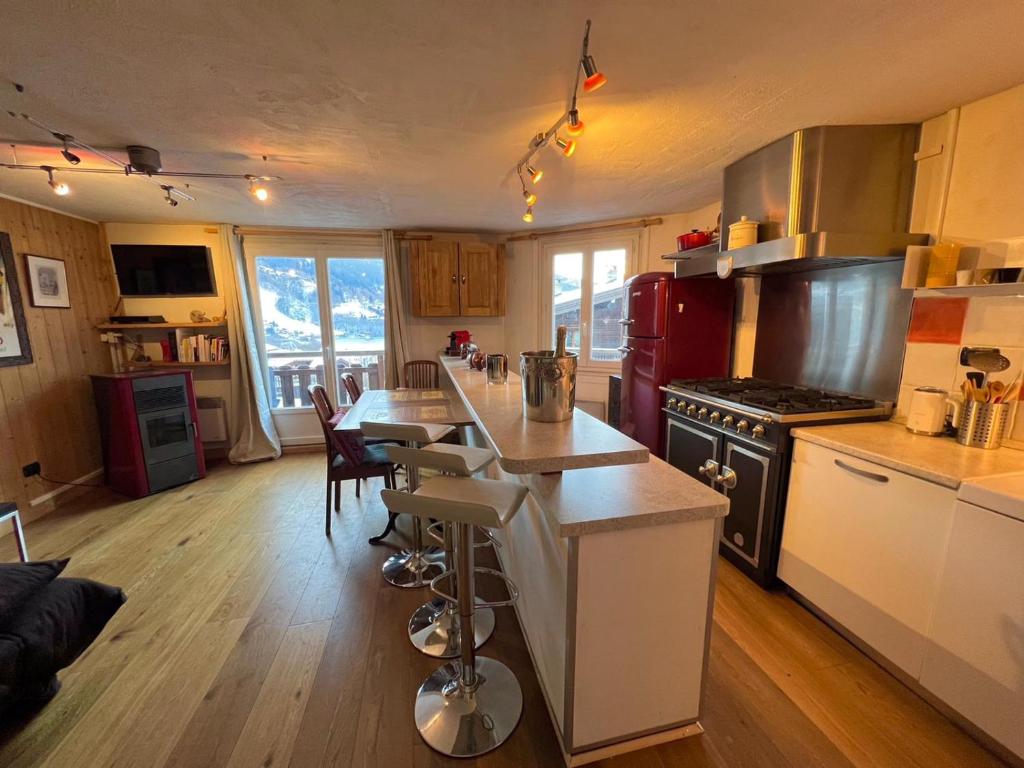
<point x="250" y="639"/>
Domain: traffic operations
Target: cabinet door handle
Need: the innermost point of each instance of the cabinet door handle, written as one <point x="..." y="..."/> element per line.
<point x="455" y="278"/>
<point x="862" y="472"/>
<point x="463" y="279"/>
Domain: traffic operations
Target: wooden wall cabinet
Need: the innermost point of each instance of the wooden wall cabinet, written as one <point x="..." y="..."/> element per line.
<point x="449" y="279"/>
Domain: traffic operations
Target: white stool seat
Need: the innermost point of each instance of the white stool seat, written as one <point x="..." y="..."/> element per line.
<point x="487" y="503"/>
<point x="406" y="431"/>
<point x="461" y="460"/>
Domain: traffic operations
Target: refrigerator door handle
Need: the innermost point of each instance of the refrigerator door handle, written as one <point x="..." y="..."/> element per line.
<point x="626" y="321"/>
<point x="625" y="350"/>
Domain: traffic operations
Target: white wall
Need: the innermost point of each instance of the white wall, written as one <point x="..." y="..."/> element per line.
<point x="209" y="382"/>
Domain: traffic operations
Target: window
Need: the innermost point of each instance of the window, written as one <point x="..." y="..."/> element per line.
<point x="583" y="283"/>
<point x="318" y="302"/>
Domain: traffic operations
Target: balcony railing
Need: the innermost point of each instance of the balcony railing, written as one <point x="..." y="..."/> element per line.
<point x="290" y="381"/>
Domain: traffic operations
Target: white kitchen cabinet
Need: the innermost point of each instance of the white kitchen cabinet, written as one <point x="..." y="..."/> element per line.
<point x="866" y="545"/>
<point x="975" y="661"/>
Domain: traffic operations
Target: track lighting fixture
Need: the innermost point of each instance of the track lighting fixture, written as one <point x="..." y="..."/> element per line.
<point x="141" y="161"/>
<point x="66" y="153"/>
<point x="591" y="78"/>
<point x="167" y="196"/>
<point x="59" y="187"/>
<point x="594" y="79"/>
<point x="575" y="126"/>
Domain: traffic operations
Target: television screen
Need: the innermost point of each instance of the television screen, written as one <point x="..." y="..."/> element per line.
<point x="163" y="270"/>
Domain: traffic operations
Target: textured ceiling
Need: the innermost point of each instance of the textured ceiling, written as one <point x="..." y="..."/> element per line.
<point x="410" y="114"/>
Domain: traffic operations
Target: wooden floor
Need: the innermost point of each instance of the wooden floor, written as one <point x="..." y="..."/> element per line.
<point x="249" y="639"/>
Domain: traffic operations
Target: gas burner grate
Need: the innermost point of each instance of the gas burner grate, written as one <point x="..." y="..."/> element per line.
<point x="777" y="398"/>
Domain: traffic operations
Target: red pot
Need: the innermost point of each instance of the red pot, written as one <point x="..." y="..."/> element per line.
<point x="693" y="239"/>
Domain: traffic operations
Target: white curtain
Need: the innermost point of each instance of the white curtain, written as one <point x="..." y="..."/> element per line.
<point x="395" y="338"/>
<point x="251" y="428"/>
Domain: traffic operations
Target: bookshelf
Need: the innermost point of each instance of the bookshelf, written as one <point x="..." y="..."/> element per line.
<point x="123" y="338"/>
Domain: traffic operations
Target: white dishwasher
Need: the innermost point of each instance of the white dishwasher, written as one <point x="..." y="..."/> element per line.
<point x="975" y="659"/>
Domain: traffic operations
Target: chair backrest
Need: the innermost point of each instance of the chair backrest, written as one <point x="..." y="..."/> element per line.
<point x="350" y="446"/>
<point x="420" y="374"/>
<point x="351" y="386"/>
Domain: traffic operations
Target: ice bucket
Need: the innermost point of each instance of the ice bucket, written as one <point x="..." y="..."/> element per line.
<point x="549" y="382"/>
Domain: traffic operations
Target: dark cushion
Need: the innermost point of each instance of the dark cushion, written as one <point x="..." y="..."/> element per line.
<point x="373" y="456"/>
<point x="53" y="628"/>
<point x="7" y="506"/>
<point x="19" y="581"/>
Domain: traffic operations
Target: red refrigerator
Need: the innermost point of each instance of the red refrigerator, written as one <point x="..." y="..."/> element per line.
<point x="674" y="328"/>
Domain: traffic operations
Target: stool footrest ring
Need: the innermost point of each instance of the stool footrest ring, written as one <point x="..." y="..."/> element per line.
<point x="513" y="590"/>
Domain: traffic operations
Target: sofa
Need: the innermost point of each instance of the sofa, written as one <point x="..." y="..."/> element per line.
<point x="45" y="624"/>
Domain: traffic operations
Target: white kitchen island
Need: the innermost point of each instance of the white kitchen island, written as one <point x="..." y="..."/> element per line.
<point x="614" y="554"/>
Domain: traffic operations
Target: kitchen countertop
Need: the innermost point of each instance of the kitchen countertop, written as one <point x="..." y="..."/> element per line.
<point x="1002" y="493"/>
<point x="939" y="460"/>
<point x="525" y="447"/>
<point x="605" y="499"/>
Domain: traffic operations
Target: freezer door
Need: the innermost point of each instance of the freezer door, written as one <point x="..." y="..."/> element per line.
<point x="645" y="308"/>
<point x="643" y="361"/>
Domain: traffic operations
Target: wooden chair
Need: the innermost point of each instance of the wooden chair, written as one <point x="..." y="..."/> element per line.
<point x="420" y="374"/>
<point x="348" y="457"/>
<point x="351" y="386"/>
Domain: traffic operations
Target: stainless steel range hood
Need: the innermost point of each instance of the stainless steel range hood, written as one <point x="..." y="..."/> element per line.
<point x="825" y="197"/>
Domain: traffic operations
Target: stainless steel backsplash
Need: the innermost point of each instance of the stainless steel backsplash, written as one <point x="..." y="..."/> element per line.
<point x="843" y="329"/>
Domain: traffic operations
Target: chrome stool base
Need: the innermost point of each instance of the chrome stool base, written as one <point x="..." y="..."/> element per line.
<point x="434" y="629"/>
<point x="409" y="569"/>
<point x="461" y="723"/>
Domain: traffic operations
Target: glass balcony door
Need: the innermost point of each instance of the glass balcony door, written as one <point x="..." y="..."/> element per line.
<point x="320" y="312"/>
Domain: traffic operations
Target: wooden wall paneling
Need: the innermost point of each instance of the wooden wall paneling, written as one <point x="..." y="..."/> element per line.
<point x="46" y="408"/>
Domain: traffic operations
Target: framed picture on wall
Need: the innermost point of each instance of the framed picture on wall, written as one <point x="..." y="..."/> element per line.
<point x="14" y="344"/>
<point x="47" y="281"/>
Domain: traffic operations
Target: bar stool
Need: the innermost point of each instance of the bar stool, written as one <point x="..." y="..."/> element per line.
<point x="415" y="567"/>
<point x="471" y="705"/>
<point x="434" y="627"/>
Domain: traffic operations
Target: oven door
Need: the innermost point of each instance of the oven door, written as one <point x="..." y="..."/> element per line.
<point x="168" y="434"/>
<point x="751" y="480"/>
<point x="688" y="448"/>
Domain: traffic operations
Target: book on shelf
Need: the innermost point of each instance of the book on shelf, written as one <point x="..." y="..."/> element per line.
<point x="200" y="347"/>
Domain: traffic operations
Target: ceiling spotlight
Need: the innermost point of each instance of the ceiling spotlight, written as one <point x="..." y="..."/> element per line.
<point x="535" y="175"/>
<point x="66" y="153"/>
<point x="594" y="78"/>
<point x="167" y="196"/>
<point x="59" y="187"/>
<point x="566" y="147"/>
<point x="575" y="127"/>
<point x="259" y="190"/>
<point x="530" y="198"/>
<point x="528" y="216"/>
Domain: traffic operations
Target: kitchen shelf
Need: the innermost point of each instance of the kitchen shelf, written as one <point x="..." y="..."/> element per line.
<point x="704" y="250"/>
<point x="177" y="363"/>
<point x="165" y="326"/>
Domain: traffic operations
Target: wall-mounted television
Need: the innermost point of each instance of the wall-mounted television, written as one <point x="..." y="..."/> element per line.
<point x="163" y="270"/>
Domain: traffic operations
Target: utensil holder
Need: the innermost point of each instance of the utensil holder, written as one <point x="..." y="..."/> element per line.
<point x="982" y="424"/>
<point x="549" y="385"/>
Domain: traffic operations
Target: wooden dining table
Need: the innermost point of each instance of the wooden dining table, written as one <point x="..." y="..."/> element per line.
<point x="426" y="406"/>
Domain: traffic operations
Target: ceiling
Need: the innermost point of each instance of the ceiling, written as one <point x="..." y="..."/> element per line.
<point x="411" y="114"/>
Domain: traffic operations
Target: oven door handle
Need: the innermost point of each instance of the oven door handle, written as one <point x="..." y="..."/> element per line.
<point x="728" y="478"/>
<point x="878" y="478"/>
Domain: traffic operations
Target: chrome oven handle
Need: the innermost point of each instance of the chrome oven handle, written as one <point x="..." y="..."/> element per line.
<point x="875" y="476"/>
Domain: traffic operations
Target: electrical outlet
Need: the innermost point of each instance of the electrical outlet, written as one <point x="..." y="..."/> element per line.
<point x="31" y="469"/>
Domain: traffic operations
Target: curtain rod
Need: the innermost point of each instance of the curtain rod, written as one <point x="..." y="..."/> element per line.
<point x="257" y="230"/>
<point x="594" y="228"/>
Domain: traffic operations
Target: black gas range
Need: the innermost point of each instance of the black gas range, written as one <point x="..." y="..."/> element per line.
<point x="733" y="434"/>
